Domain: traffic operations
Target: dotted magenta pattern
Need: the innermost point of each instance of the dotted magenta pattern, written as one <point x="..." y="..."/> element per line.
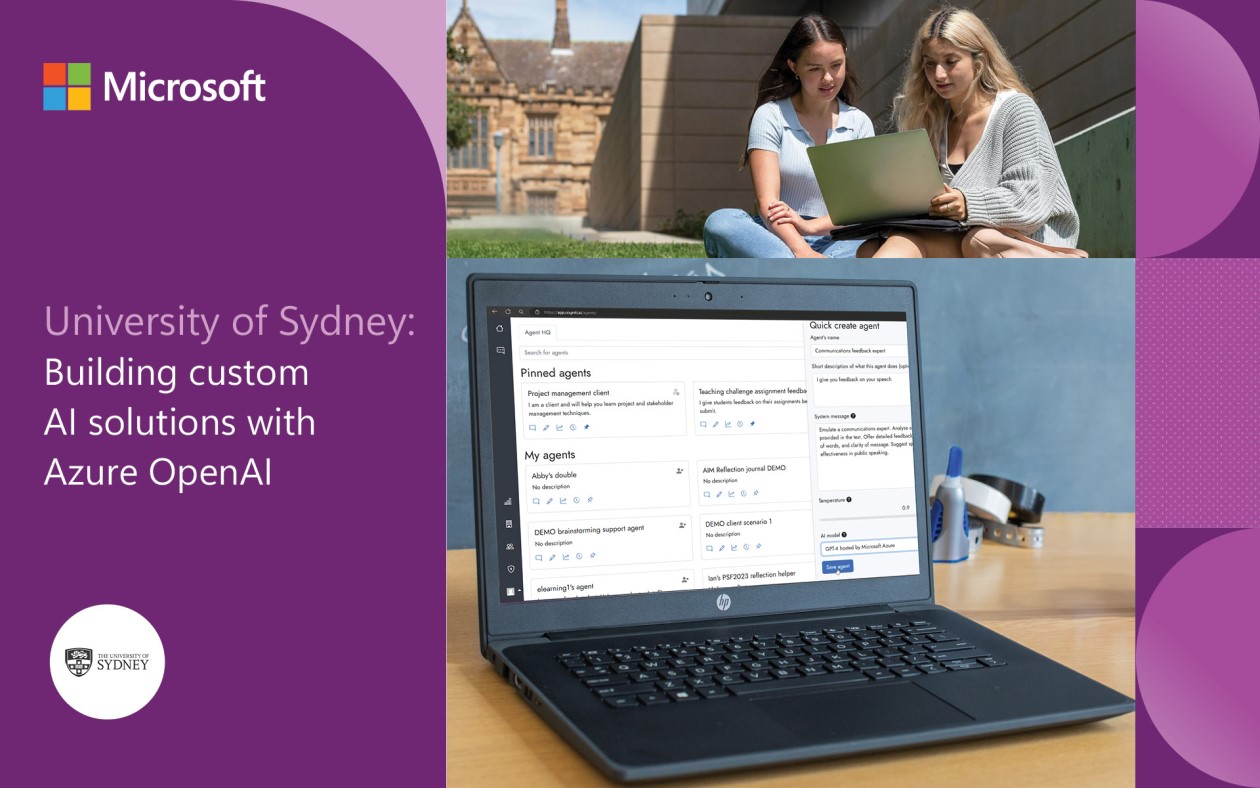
<point x="1198" y="402"/>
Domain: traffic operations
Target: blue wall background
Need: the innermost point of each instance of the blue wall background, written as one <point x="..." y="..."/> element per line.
<point x="1028" y="365"/>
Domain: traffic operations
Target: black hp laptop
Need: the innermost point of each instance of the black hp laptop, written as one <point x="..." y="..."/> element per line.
<point x="702" y="531"/>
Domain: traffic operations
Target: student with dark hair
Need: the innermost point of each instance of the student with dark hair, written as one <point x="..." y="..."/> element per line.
<point x="802" y="100"/>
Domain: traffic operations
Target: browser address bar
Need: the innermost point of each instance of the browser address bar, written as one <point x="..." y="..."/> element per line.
<point x="658" y="352"/>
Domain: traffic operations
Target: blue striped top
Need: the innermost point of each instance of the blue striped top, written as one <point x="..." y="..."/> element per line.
<point x="775" y="127"/>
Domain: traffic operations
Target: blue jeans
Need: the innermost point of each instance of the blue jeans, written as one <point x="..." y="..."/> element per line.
<point x="731" y="232"/>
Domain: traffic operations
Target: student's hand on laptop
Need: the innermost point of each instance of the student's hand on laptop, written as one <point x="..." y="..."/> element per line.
<point x="780" y="212"/>
<point x="950" y="205"/>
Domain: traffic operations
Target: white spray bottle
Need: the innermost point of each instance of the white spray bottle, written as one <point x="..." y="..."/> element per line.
<point x="950" y="529"/>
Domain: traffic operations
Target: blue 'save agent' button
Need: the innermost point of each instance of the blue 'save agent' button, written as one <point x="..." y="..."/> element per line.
<point x="837" y="567"/>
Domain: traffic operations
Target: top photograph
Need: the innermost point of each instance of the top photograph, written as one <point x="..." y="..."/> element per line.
<point x="758" y="129"/>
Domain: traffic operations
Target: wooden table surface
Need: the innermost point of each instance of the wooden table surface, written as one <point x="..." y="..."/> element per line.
<point x="1072" y="601"/>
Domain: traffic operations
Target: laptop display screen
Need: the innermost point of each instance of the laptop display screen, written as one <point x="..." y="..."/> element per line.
<point x="655" y="451"/>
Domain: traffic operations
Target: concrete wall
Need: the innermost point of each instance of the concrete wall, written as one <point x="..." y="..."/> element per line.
<point x="615" y="199"/>
<point x="1027" y="365"/>
<point x="696" y="81"/>
<point x="1077" y="55"/>
<point x="1099" y="165"/>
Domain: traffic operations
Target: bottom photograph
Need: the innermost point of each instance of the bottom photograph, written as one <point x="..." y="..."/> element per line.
<point x="782" y="522"/>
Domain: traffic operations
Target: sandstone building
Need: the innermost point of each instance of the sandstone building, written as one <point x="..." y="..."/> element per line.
<point x="549" y="98"/>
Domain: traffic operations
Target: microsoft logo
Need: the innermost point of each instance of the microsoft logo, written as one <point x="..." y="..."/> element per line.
<point x="67" y="86"/>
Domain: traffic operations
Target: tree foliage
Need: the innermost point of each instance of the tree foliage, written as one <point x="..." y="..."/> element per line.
<point x="459" y="128"/>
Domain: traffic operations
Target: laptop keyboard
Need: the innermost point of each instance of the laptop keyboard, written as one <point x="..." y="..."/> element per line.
<point x="761" y="664"/>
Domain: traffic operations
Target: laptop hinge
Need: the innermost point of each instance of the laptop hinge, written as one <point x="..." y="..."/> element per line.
<point x="724" y="623"/>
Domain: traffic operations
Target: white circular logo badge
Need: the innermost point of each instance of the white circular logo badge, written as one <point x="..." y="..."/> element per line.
<point x="107" y="662"/>
<point x="724" y="603"/>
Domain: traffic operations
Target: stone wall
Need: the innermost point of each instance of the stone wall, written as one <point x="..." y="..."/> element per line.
<point x="695" y="81"/>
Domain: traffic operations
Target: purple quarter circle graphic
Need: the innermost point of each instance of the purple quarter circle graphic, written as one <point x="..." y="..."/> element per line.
<point x="1207" y="713"/>
<point x="1199" y="129"/>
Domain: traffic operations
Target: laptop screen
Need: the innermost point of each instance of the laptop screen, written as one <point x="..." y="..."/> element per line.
<point x="659" y="450"/>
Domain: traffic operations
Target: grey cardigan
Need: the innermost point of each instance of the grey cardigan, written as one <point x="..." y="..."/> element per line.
<point x="1013" y="180"/>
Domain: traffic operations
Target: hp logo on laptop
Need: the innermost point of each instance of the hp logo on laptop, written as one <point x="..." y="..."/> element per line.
<point x="724" y="603"/>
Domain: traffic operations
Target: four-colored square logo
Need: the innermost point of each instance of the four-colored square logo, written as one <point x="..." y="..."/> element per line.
<point x="67" y="86"/>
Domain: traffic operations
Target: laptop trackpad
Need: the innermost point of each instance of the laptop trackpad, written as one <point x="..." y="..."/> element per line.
<point x="862" y="712"/>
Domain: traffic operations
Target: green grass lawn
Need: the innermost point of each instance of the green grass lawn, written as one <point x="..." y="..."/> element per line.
<point x="540" y="243"/>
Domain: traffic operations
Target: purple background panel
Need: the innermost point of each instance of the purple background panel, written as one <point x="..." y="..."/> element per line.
<point x="1160" y="551"/>
<point x="1196" y="360"/>
<point x="392" y="32"/>
<point x="298" y="620"/>
<point x="1176" y="134"/>
<point x="1197" y="405"/>
<point x="1210" y="92"/>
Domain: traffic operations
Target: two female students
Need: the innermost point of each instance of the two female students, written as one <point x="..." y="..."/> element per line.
<point x="1000" y="172"/>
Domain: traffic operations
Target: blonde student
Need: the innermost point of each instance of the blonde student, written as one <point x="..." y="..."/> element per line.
<point x="998" y="163"/>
